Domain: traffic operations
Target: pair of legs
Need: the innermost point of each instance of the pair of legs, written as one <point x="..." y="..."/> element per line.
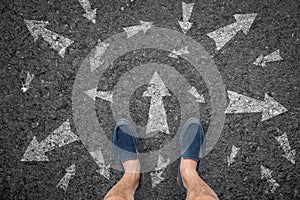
<point x="197" y="189"/>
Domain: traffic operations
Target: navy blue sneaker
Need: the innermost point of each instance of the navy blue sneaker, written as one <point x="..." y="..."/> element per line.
<point x="192" y="145"/>
<point x="126" y="145"/>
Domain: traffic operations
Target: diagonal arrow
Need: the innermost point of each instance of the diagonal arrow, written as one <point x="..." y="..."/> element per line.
<point x="156" y="176"/>
<point x="98" y="157"/>
<point x="223" y="35"/>
<point x="96" y="58"/>
<point x="187" y="10"/>
<point x="273" y="57"/>
<point x="175" y="53"/>
<point x="242" y="104"/>
<point x="93" y="93"/>
<point x="157" y="114"/>
<point x="89" y="13"/>
<point x="132" y="30"/>
<point x="70" y="173"/>
<point x="56" y="41"/>
<point x="285" y="145"/>
<point x="199" y="98"/>
<point x="26" y="85"/>
<point x="234" y="152"/>
<point x="60" y="137"/>
<point x="267" y="175"/>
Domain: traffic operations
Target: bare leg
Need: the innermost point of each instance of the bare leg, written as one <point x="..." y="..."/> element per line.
<point x="196" y="188"/>
<point x="125" y="188"/>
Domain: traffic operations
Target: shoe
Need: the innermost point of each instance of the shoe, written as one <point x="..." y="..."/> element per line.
<point x="192" y="145"/>
<point x="125" y="145"/>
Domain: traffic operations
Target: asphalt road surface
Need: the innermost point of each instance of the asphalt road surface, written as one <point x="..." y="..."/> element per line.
<point x="256" y="155"/>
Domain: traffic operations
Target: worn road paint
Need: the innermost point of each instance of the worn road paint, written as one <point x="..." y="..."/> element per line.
<point x="157" y="120"/>
<point x="187" y="10"/>
<point x="132" y="30"/>
<point x="93" y="93"/>
<point x="58" y="138"/>
<point x="26" y="85"/>
<point x="266" y="174"/>
<point x="156" y="176"/>
<point x="56" y="41"/>
<point x="273" y="57"/>
<point x="199" y="98"/>
<point x="70" y="173"/>
<point x="242" y="104"/>
<point x="89" y="13"/>
<point x="99" y="159"/>
<point x="175" y="53"/>
<point x="234" y="152"/>
<point x="96" y="60"/>
<point x="285" y="145"/>
<point x="223" y="35"/>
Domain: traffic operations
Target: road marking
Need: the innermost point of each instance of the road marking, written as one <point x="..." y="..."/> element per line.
<point x="242" y="104"/>
<point x="285" y="145"/>
<point x="175" y="53"/>
<point x="58" y="138"/>
<point x="157" y="114"/>
<point x="187" y="10"/>
<point x="26" y="85"/>
<point x="89" y="13"/>
<point x="96" y="60"/>
<point x="223" y="35"/>
<point x="273" y="57"/>
<point x="93" y="93"/>
<point x="199" y="98"/>
<point x="266" y="174"/>
<point x="234" y="152"/>
<point x="70" y="173"/>
<point x="132" y="30"/>
<point x="156" y="176"/>
<point x="56" y="41"/>
<point x="99" y="159"/>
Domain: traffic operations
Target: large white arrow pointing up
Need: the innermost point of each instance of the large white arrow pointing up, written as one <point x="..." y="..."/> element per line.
<point x="58" y="138"/>
<point x="223" y="35"/>
<point x="157" y="115"/>
<point x="89" y="13"/>
<point x="285" y="145"/>
<point x="187" y="10"/>
<point x="132" y="30"/>
<point x="242" y="104"/>
<point x="56" y="41"/>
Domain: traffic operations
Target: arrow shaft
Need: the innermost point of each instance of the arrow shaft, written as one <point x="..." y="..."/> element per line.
<point x="187" y="10"/>
<point x="85" y="5"/>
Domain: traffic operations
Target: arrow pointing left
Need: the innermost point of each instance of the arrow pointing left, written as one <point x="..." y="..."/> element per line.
<point x="36" y="151"/>
<point x="56" y="41"/>
<point x="90" y="14"/>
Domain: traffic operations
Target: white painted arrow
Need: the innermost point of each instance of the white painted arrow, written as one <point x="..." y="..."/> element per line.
<point x="234" y="152"/>
<point x="56" y="41"/>
<point x="89" y="13"/>
<point x="285" y="145"/>
<point x="132" y="30"/>
<point x="26" y="85"/>
<point x="199" y="98"/>
<point x="223" y="35"/>
<point x="187" y="10"/>
<point x="175" y="53"/>
<point x="156" y="176"/>
<point x="242" y="104"/>
<point x="157" y="115"/>
<point x="70" y="173"/>
<point x="104" y="169"/>
<point x="93" y="93"/>
<point x="58" y="138"/>
<point x="96" y="60"/>
<point x="267" y="175"/>
<point x="273" y="57"/>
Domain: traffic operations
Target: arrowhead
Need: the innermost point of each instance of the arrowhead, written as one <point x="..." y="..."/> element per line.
<point x="156" y="176"/>
<point x="34" y="153"/>
<point x="199" y="98"/>
<point x="93" y="93"/>
<point x="132" y="30"/>
<point x="35" y="27"/>
<point x="156" y="87"/>
<point x="245" y="21"/>
<point x="290" y="156"/>
<point x="91" y="15"/>
<point x="272" y="108"/>
<point x="104" y="171"/>
<point x="265" y="172"/>
<point x="185" y="26"/>
<point x="260" y="61"/>
<point x="146" y="25"/>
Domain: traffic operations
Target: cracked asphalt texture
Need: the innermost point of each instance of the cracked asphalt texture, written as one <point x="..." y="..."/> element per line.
<point x="47" y="104"/>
